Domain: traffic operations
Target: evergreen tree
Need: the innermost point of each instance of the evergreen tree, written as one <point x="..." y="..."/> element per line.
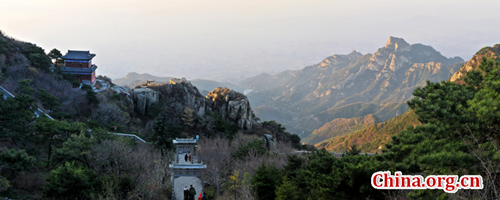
<point x="55" y="54"/>
<point x="4" y="46"/>
<point x="71" y="181"/>
<point x="16" y="115"/>
<point x="76" y="148"/>
<point x="16" y="160"/>
<point x="91" y="95"/>
<point x="47" y="100"/>
<point x="188" y="117"/>
<point x="265" y="181"/>
<point x="51" y="130"/>
<point x="161" y="137"/>
<point x="36" y="56"/>
<point x="287" y="191"/>
<point x="24" y="87"/>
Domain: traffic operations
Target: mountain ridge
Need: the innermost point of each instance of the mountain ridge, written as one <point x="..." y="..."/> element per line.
<point x="386" y="77"/>
<point x="380" y="133"/>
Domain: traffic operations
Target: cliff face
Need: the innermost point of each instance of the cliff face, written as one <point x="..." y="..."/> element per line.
<point x="180" y="93"/>
<point x="144" y="97"/>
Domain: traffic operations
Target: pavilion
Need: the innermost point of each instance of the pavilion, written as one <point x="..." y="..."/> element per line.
<point x="80" y="64"/>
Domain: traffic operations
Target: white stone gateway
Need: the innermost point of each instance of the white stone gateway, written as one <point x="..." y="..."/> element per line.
<point x="188" y="172"/>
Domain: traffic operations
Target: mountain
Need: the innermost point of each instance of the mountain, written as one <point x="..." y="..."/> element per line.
<point x="265" y="80"/>
<point x="339" y="127"/>
<point x="133" y="79"/>
<point x="371" y="138"/>
<point x="354" y="85"/>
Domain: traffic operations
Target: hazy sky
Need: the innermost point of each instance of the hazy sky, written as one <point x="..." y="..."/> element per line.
<point x="224" y="39"/>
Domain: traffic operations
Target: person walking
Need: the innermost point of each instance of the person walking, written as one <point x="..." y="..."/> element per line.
<point x="199" y="197"/>
<point x="192" y="193"/>
<point x="186" y="193"/>
<point x="204" y="197"/>
<point x="186" y="157"/>
<point x="189" y="157"/>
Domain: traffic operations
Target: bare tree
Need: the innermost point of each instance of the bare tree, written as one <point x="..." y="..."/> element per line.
<point x="217" y="155"/>
<point x="108" y="113"/>
<point x="144" y="165"/>
<point x="490" y="166"/>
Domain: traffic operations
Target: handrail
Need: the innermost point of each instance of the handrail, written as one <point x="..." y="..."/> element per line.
<point x="131" y="135"/>
<point x="37" y="112"/>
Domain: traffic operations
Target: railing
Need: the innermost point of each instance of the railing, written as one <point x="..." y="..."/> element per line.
<point x="37" y="112"/>
<point x="130" y="135"/>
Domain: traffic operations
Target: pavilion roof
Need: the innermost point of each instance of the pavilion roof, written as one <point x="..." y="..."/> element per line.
<point x="78" y="55"/>
<point x="79" y="70"/>
<point x="184" y="141"/>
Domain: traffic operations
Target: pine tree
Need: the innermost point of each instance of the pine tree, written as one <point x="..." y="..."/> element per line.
<point x="47" y="100"/>
<point x="16" y="160"/>
<point x="161" y="137"/>
<point x="56" y="55"/>
<point x="188" y="117"/>
<point x="71" y="181"/>
<point x="287" y="191"/>
<point x="265" y="181"/>
<point x="24" y="87"/>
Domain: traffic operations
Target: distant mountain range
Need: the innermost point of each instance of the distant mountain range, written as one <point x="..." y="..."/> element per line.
<point x="372" y="137"/>
<point x="133" y="79"/>
<point x="348" y="86"/>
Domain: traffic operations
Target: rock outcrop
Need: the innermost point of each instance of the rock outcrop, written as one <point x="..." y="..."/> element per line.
<point x="179" y="94"/>
<point x="144" y="97"/>
<point x="232" y="106"/>
<point x="269" y="141"/>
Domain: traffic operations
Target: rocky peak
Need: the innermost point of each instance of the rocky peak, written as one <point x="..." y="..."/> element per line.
<point x="233" y="106"/>
<point x="354" y="54"/>
<point x="179" y="80"/>
<point x="473" y="63"/>
<point x="397" y="44"/>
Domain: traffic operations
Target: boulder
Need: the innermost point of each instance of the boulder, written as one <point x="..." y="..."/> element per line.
<point x="270" y="141"/>
<point x="144" y="97"/>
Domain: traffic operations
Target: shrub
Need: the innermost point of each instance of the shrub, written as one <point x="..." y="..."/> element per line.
<point x="4" y="184"/>
<point x="256" y="146"/>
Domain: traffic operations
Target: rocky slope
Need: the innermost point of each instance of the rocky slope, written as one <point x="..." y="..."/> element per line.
<point x="473" y="63"/>
<point x="339" y="127"/>
<point x="376" y="81"/>
<point x="372" y="138"/>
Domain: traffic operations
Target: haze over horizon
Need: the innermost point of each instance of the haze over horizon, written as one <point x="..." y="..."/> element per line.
<point x="224" y="40"/>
